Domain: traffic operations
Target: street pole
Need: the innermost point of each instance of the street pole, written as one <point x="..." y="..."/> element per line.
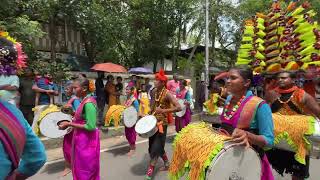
<point x="207" y="48"/>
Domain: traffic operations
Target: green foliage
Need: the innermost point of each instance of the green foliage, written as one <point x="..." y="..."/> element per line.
<point x="197" y="63"/>
<point x="135" y="32"/>
<point x="57" y="68"/>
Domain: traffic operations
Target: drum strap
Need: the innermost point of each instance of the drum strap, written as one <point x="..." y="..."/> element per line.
<point x="90" y="99"/>
<point x="248" y="112"/>
<point x="12" y="135"/>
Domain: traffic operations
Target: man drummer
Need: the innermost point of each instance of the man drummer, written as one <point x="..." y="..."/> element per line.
<point x="162" y="103"/>
<point x="288" y="99"/>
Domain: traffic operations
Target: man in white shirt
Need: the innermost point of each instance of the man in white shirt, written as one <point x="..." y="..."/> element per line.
<point x="9" y="85"/>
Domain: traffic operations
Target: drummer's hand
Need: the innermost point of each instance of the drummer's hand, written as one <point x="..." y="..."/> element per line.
<point x="64" y="125"/>
<point x="159" y="110"/>
<point x="240" y="137"/>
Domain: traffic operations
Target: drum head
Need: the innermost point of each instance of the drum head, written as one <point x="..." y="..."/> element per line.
<point x="130" y="117"/>
<point x="184" y="108"/>
<point x="146" y="124"/>
<point x="235" y="162"/>
<point x="48" y="125"/>
<point x="316" y="128"/>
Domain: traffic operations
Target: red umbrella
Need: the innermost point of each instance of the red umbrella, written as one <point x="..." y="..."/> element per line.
<point x="109" y="67"/>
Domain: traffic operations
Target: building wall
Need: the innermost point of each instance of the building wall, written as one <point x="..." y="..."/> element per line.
<point x="68" y="40"/>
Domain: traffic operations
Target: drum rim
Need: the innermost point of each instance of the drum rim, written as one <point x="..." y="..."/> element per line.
<point x="223" y="150"/>
<point x="41" y="124"/>
<point x="183" y="107"/>
<point x="144" y="119"/>
<point x="126" y="120"/>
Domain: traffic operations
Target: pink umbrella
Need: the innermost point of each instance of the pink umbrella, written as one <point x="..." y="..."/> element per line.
<point x="109" y="67"/>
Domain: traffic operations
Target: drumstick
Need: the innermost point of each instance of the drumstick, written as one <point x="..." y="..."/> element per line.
<point x="154" y="112"/>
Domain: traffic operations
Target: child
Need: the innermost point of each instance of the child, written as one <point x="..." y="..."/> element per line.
<point x="85" y="141"/>
<point x="130" y="133"/>
<point x="144" y="101"/>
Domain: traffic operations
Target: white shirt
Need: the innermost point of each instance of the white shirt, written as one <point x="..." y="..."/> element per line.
<point x="12" y="80"/>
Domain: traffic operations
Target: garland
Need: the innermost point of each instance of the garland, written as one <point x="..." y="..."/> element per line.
<point x="194" y="149"/>
<point x="114" y="115"/>
<point x="293" y="130"/>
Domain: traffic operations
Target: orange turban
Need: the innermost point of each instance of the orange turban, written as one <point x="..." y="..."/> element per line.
<point x="161" y="76"/>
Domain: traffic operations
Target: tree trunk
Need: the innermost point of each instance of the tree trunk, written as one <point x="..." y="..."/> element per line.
<point x="155" y="64"/>
<point x="89" y="47"/>
<point x="195" y="45"/>
<point x="184" y="33"/>
<point x="174" y="57"/>
<point x="52" y="34"/>
<point x="177" y="50"/>
<point x="214" y="27"/>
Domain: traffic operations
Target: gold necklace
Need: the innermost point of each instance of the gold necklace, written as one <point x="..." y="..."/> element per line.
<point x="160" y="96"/>
<point x="285" y="102"/>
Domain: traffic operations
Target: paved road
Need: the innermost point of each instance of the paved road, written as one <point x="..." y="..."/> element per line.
<point x="116" y="165"/>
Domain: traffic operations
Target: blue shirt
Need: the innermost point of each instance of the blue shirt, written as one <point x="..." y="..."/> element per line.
<point x="75" y="104"/>
<point x="135" y="104"/>
<point x="33" y="156"/>
<point x="262" y="121"/>
<point x="44" y="98"/>
<point x="187" y="97"/>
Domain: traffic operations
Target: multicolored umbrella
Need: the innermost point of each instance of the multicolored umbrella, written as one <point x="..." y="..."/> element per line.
<point x="109" y="67"/>
<point x="140" y="70"/>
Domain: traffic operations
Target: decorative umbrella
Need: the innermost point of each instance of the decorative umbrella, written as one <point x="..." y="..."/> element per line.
<point x="140" y="70"/>
<point x="109" y="67"/>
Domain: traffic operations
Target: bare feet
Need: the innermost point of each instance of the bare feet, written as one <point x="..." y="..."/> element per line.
<point x="131" y="152"/>
<point x="65" y="172"/>
<point x="164" y="168"/>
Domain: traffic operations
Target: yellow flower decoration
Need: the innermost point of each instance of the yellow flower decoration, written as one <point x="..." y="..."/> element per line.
<point x="92" y="87"/>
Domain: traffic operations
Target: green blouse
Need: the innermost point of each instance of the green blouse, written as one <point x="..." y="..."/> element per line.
<point x="90" y="115"/>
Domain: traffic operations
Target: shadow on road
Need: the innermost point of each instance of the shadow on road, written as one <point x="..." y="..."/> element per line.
<point x="54" y="168"/>
<point x="141" y="167"/>
<point x="119" y="152"/>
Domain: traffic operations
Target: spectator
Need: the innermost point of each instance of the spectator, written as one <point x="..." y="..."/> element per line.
<point x="201" y="98"/>
<point x="119" y="88"/>
<point x="133" y="81"/>
<point x="173" y="84"/>
<point x="46" y="89"/>
<point x="148" y="85"/>
<point x="101" y="97"/>
<point x="27" y="95"/>
<point x="9" y="85"/>
<point x="110" y="89"/>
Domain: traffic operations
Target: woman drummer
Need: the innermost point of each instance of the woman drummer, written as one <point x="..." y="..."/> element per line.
<point x="247" y="118"/>
<point x="73" y="103"/>
<point x="85" y="141"/>
<point x="183" y="94"/>
<point x="130" y="133"/>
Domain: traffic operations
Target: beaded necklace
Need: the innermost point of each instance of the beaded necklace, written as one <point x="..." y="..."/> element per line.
<point x="229" y="113"/>
<point x="160" y="95"/>
<point x="285" y="102"/>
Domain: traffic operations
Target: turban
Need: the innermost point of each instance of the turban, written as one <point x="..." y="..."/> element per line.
<point x="161" y="76"/>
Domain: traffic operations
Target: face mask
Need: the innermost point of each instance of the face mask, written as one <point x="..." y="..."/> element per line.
<point x="74" y="92"/>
